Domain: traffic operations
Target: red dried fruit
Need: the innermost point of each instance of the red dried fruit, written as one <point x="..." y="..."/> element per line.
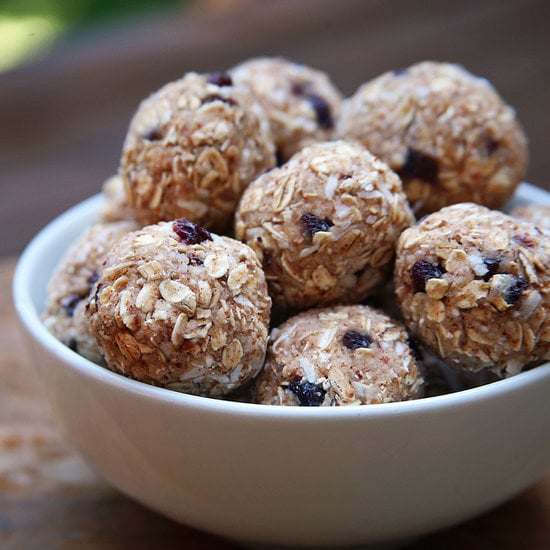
<point x="421" y="272"/>
<point x="322" y="110"/>
<point x="355" y="340"/>
<point x="216" y="97"/>
<point x="70" y="302"/>
<point x="314" y="224"/>
<point x="308" y="394"/>
<point x="321" y="107"/>
<point x="195" y="260"/>
<point x="491" y="145"/>
<point x="189" y="232"/>
<point x="420" y="166"/>
<point x="154" y="134"/>
<point x="400" y="72"/>
<point x="492" y="267"/>
<point x="94" y="277"/>
<point x="514" y="292"/>
<point x="220" y="78"/>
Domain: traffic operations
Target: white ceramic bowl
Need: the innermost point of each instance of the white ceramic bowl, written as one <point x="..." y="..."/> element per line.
<point x="288" y="475"/>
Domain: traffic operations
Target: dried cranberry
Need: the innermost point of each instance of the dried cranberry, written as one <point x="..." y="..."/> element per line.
<point x="220" y="78"/>
<point x="94" y="277"/>
<point x="301" y="87"/>
<point x="189" y="232"/>
<point x="308" y="394"/>
<point x="491" y="145"/>
<point x="314" y="224"/>
<point x="267" y="259"/>
<point x="514" y="292"/>
<point x="418" y="165"/>
<point x="492" y="267"/>
<point x="320" y="105"/>
<point x="217" y="97"/>
<point x="421" y="272"/>
<point x="524" y="240"/>
<point x="70" y="302"/>
<point x="322" y="110"/>
<point x="153" y="135"/>
<point x="400" y="72"/>
<point x="355" y="340"/>
<point x="195" y="260"/>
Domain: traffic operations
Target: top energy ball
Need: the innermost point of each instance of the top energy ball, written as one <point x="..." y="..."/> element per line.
<point x="192" y="148"/>
<point x="301" y="103"/>
<point x="447" y="133"/>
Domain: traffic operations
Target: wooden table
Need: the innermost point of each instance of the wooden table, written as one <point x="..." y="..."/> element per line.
<point x="51" y="500"/>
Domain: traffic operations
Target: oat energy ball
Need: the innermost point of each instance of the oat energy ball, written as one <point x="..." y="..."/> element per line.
<point x="325" y="224"/>
<point x="447" y="133"/>
<point x="474" y="285"/>
<point x="70" y="286"/>
<point x="539" y="214"/>
<point x="116" y="206"/>
<point x="192" y="148"/>
<point x="301" y="103"/>
<point x="178" y="307"/>
<point x="346" y="355"/>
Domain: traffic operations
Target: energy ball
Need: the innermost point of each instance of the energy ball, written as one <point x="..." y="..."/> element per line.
<point x="346" y="355"/>
<point x="71" y="283"/>
<point x="473" y="284"/>
<point x="325" y="224"/>
<point x="539" y="214"/>
<point x="179" y="307"/>
<point x="192" y="148"/>
<point x="447" y="133"/>
<point x="301" y="103"/>
<point x="116" y="206"/>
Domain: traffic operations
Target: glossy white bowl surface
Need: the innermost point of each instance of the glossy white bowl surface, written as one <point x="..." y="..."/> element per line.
<point x="288" y="475"/>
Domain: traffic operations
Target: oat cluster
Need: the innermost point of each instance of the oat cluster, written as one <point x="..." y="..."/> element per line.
<point x="320" y="193"/>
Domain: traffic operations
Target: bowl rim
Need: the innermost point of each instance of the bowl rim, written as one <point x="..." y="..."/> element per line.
<point x="29" y="317"/>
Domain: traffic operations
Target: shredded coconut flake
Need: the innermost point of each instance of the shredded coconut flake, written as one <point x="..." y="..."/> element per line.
<point x="330" y="186"/>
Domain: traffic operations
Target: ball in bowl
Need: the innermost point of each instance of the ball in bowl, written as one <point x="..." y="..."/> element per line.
<point x="378" y="473"/>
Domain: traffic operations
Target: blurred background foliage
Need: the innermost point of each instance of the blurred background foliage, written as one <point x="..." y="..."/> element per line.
<point x="30" y="28"/>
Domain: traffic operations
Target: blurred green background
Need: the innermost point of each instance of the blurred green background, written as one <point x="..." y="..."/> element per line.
<point x="30" y="28"/>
